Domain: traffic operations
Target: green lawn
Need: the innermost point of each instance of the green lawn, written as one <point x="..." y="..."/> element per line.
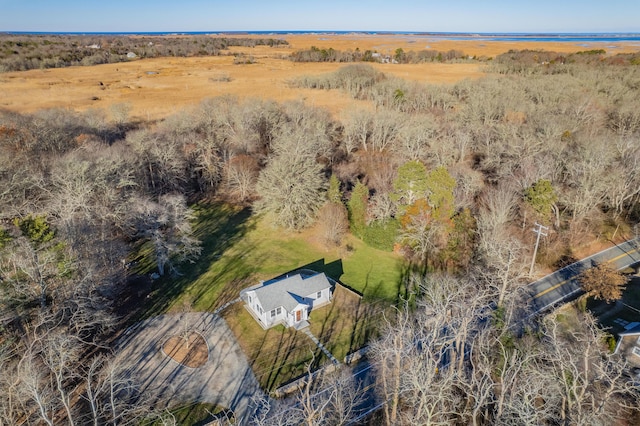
<point x="347" y="323"/>
<point x="376" y="274"/>
<point x="239" y="250"/>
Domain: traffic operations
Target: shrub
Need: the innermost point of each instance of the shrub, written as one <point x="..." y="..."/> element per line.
<point x="382" y="234"/>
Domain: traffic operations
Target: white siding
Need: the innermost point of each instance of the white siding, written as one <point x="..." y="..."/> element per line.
<point x="305" y="305"/>
<point x="325" y="297"/>
<point x="291" y="316"/>
<point x="275" y="316"/>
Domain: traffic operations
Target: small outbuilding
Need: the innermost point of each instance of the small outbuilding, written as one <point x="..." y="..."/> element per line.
<point x="288" y="300"/>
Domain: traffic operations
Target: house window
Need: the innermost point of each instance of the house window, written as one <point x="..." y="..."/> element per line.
<point x="636" y="351"/>
<point x="319" y="295"/>
<point x="249" y="299"/>
<point x="278" y="311"/>
<point x="273" y="313"/>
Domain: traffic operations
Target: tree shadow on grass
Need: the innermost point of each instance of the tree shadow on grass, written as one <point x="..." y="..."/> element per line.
<point x="218" y="227"/>
<point x="276" y="355"/>
<point x="286" y="361"/>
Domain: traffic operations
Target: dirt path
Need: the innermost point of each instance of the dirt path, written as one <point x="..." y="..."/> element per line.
<point x="225" y="379"/>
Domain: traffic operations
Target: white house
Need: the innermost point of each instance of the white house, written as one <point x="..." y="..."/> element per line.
<point x="287" y="300"/>
<point x="629" y="344"/>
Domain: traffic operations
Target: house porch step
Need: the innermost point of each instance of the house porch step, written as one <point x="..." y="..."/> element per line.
<point x="301" y="325"/>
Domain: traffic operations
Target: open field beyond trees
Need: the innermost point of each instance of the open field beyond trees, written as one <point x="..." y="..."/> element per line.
<point x="155" y="88"/>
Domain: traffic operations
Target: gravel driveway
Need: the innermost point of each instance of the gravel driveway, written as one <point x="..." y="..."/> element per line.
<point x="225" y="379"/>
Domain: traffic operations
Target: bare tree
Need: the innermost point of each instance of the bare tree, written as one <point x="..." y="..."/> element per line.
<point x="416" y="138"/>
<point x="421" y="358"/>
<point x="503" y="265"/>
<point x="624" y="190"/>
<point x="241" y="176"/>
<point x="325" y="398"/>
<point x="120" y="113"/>
<point x="497" y="207"/>
<point x="333" y="222"/>
<point x="591" y="383"/>
<point x="291" y="189"/>
<point x="309" y="133"/>
<point x="167" y="225"/>
<point x="158" y="161"/>
<point x="371" y="131"/>
<point x="389" y="353"/>
<point x="587" y="170"/>
<point x="112" y="397"/>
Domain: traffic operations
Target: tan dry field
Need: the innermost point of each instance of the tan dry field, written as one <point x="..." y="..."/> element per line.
<point x="156" y="88"/>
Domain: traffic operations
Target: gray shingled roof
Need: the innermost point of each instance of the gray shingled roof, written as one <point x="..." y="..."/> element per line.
<point x="288" y="292"/>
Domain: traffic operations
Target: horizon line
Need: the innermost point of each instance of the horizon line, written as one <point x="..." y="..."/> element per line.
<point x="403" y="32"/>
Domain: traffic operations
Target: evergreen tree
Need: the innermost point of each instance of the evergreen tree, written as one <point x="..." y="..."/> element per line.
<point x="410" y="185"/>
<point x="358" y="209"/>
<point x="541" y="197"/>
<point x="334" y="195"/>
<point x="439" y="185"/>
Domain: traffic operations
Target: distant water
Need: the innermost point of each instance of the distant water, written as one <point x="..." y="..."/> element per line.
<point x="516" y="37"/>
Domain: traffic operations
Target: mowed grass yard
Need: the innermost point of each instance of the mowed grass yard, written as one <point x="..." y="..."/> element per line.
<point x="239" y="249"/>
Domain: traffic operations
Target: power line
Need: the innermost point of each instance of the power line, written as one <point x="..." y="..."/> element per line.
<point x="538" y="230"/>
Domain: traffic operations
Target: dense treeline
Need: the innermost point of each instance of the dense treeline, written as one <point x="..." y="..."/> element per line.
<point x="451" y="176"/>
<point x="24" y="52"/>
<point x="315" y="54"/>
<point x="548" y="62"/>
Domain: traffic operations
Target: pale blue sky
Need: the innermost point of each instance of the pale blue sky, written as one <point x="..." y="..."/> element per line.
<point x="257" y="15"/>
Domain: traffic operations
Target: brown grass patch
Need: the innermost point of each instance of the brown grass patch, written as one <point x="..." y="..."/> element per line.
<point x="191" y="351"/>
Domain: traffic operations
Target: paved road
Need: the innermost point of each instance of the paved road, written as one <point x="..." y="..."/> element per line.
<point x="562" y="286"/>
<point x="226" y="378"/>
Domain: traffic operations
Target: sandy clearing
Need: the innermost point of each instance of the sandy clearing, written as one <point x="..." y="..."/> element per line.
<point x="156" y="88"/>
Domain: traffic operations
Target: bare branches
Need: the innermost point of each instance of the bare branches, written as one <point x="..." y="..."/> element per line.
<point x="446" y="363"/>
<point x="291" y="189"/>
<point x="167" y="225"/>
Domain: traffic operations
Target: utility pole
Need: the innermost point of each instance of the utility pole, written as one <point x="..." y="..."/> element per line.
<point x="540" y="230"/>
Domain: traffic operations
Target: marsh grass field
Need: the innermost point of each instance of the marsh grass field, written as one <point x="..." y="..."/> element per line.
<point x="155" y="88"/>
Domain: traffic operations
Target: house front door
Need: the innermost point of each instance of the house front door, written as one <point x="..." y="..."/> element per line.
<point x="298" y="316"/>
